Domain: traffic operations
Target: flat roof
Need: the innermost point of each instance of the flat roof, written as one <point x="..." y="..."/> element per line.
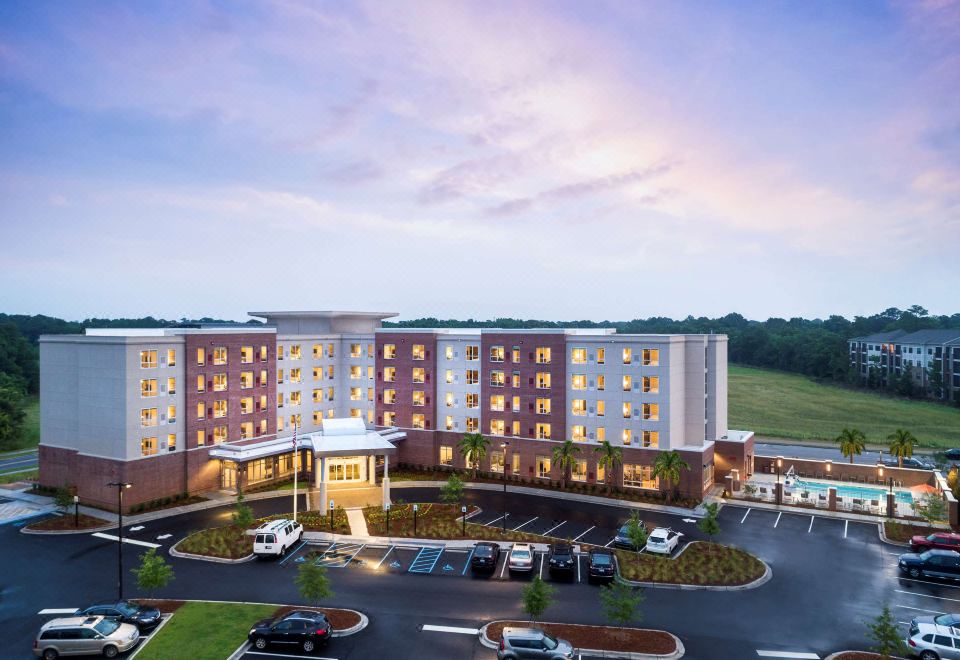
<point x="330" y="314"/>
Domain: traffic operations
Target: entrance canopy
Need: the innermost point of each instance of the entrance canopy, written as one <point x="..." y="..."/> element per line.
<point x="337" y="437"/>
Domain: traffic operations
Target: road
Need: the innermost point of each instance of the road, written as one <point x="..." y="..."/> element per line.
<point x="828" y="578"/>
<point x="18" y="462"/>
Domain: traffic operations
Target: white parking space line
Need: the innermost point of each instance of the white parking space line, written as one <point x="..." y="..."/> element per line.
<point x="913" y="593"/>
<point x="58" y="610"/>
<point x="846" y="524"/>
<point x="936" y="584"/>
<point x="582" y="535"/>
<point x="284" y="655"/>
<point x="579" y="557"/>
<point x="608" y="543"/>
<point x="506" y="560"/>
<point x="919" y="609"/>
<point x="525" y="524"/>
<point x="745" y="515"/>
<point x="788" y="654"/>
<point x="811" y="525"/>
<point x="493" y="521"/>
<point x="547" y="533"/>
<point x="111" y="537"/>
<point x="384" y="558"/>
<point x="450" y="629"/>
<point x="541" y="565"/>
<point x="778" y="520"/>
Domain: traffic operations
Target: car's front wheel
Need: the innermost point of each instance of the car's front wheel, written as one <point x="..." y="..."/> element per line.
<point x="308" y="646"/>
<point x="929" y="655"/>
<point x="50" y="654"/>
<point x="110" y="651"/>
<point x="260" y="643"/>
<point x="915" y="572"/>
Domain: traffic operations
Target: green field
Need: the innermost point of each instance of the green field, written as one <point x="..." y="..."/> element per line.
<point x="211" y="631"/>
<point x="779" y="404"/>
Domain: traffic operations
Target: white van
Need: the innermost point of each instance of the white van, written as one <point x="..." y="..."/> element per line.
<point x="274" y="538"/>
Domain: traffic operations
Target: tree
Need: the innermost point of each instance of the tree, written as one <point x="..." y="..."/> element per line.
<point x="852" y="442"/>
<point x="242" y="514"/>
<point x="935" y="378"/>
<point x="709" y="524"/>
<point x="473" y="446"/>
<point x="636" y="534"/>
<point x="537" y="597"/>
<point x="63" y="498"/>
<point x="610" y="458"/>
<point x="564" y="456"/>
<point x="11" y="418"/>
<point x="931" y="508"/>
<point x="667" y="467"/>
<point x="313" y="583"/>
<point x="884" y="632"/>
<point x="154" y="573"/>
<point x="621" y="603"/>
<point x="452" y="491"/>
<point x="901" y="445"/>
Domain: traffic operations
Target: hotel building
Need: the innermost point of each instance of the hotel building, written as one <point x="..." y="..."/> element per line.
<point x="193" y="409"/>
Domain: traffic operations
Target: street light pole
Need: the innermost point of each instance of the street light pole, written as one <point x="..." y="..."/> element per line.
<point x="503" y="446"/>
<point x="779" y="491"/>
<point x="120" y="486"/>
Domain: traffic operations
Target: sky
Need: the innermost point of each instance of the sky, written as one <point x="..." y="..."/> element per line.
<point x="554" y="160"/>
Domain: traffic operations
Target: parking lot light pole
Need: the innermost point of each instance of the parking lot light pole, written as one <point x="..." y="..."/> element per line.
<point x="503" y="446"/>
<point x="463" y="510"/>
<point x="779" y="467"/>
<point x="415" y="508"/>
<point x="76" y="511"/>
<point x="120" y="486"/>
<point x="386" y="507"/>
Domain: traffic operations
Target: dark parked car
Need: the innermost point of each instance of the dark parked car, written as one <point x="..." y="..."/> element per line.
<point x="125" y="611"/>
<point x="303" y="629"/>
<point x="622" y="539"/>
<point x="562" y="559"/>
<point x="601" y="566"/>
<point x="953" y="454"/>
<point x="935" y="541"/>
<point x="485" y="556"/>
<point x="932" y="563"/>
<point x="911" y="462"/>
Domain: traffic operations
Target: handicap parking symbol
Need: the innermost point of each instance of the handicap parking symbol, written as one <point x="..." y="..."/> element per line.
<point x="299" y="560"/>
<point x="394" y="564"/>
<point x="447" y="567"/>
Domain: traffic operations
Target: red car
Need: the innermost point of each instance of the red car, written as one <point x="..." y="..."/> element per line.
<point x="938" y="540"/>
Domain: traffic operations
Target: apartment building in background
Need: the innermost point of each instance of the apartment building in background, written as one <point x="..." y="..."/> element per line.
<point x="194" y="409"/>
<point x="922" y="354"/>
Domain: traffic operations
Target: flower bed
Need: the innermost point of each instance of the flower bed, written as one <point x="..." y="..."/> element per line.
<point x="314" y="521"/>
<point x="339" y="619"/>
<point x="701" y="563"/>
<point x="66" y="523"/>
<point x="902" y="532"/>
<point x="598" y="638"/>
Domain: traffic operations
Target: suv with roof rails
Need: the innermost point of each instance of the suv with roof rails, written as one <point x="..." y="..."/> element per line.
<point x="91" y="635"/>
<point x="931" y="641"/>
<point x="302" y="629"/>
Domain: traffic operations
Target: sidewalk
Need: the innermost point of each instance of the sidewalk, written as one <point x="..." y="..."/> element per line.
<point x="358" y="524"/>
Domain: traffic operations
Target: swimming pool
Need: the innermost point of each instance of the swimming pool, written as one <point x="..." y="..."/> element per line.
<point x="845" y="491"/>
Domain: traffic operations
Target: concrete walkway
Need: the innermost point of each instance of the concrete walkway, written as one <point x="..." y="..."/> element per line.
<point x="358" y="524"/>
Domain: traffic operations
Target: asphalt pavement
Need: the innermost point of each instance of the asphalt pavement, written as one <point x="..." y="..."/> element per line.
<point x="18" y="462"/>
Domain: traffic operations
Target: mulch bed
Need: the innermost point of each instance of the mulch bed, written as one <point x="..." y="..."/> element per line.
<point x="901" y="532"/>
<point x="701" y="563"/>
<point x="165" y="606"/>
<point x="863" y="655"/>
<point x="65" y="522"/>
<point x="602" y="638"/>
<point x="339" y="619"/>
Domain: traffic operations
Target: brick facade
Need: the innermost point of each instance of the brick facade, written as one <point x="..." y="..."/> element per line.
<point x="403" y="385"/>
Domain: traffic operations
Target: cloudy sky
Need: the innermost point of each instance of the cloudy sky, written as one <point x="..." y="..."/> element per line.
<point x="553" y="160"/>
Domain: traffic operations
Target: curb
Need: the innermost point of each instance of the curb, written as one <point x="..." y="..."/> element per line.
<point x="834" y="656"/>
<point x="763" y="579"/>
<point x="64" y="532"/>
<point x="628" y="655"/>
<point x="884" y="539"/>
<point x="217" y="560"/>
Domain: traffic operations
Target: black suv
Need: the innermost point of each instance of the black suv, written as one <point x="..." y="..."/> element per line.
<point x="932" y="563"/>
<point x="485" y="556"/>
<point x="562" y="559"/>
<point x="601" y="566"/>
<point x="125" y="611"/>
<point x="304" y="629"/>
<point x="622" y="539"/>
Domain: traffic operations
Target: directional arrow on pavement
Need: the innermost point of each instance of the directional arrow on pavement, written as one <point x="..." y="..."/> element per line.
<point x="164" y="536"/>
<point x="136" y="529"/>
<point x="689" y="520"/>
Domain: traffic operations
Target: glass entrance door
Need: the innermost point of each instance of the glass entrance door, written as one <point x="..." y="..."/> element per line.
<point x="346" y="469"/>
<point x="229" y="477"/>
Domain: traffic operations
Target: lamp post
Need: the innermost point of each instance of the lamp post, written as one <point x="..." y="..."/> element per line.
<point x="120" y="486"/>
<point x="779" y="467"/>
<point x="76" y="511"/>
<point x="415" y="509"/>
<point x="386" y="507"/>
<point x="503" y="446"/>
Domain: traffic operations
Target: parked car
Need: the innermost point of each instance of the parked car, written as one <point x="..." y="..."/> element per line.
<point x="937" y="540"/>
<point x="485" y="556"/>
<point x="275" y="537"/>
<point x="562" y="559"/>
<point x="521" y="558"/>
<point x="126" y="611"/>
<point x="932" y="563"/>
<point x="948" y="620"/>
<point x="516" y="643"/>
<point x="85" y="635"/>
<point x="930" y="641"/>
<point x="601" y="566"/>
<point x="952" y="454"/>
<point x="663" y="540"/>
<point x="911" y="462"/>
<point x="303" y="629"/>
<point x="622" y="539"/>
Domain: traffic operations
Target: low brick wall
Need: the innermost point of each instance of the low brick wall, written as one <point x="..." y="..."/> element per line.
<point x="845" y="471"/>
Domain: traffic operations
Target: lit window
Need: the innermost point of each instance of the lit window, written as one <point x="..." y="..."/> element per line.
<point x="263" y="353"/>
<point x="543" y="355"/>
<point x="579" y="407"/>
<point x="448" y="352"/>
<point x="473" y="352"/>
<point x="219" y="434"/>
<point x="172" y="442"/>
<point x="201" y="438"/>
<point x="388" y="418"/>
<point x="330" y="394"/>
<point x="496" y="379"/>
<point x="543" y="431"/>
<point x="356" y="412"/>
<point x="449" y="422"/>
<point x="370" y="352"/>
<point x="295" y="398"/>
<point x="201" y="411"/>
<point x="651" y="439"/>
<point x="449" y="399"/>
<point x="651" y="357"/>
<point x="473" y="424"/>
<point x="148" y="446"/>
<point x="418" y="352"/>
<point x="279" y="424"/>
<point x="473" y="376"/>
<point x="148" y="417"/>
<point x="356" y="372"/>
<point x="246" y="354"/>
<point x="219" y="356"/>
<point x="295" y="353"/>
<point x="148" y="387"/>
<point x="246" y="430"/>
<point x="578" y="356"/>
<point x="419" y="398"/>
<point x="627" y="355"/>
<point x="651" y="384"/>
<point x="171" y="357"/>
<point x="497" y="353"/>
<point x="543" y="467"/>
<point x="601" y="407"/>
<point x="148" y="359"/>
<point x="263" y="402"/>
<point x="543" y="406"/>
<point x="171" y="385"/>
<point x="449" y="376"/>
<point x="263" y="378"/>
<point x="446" y="455"/>
<point x="515" y="355"/>
<point x="263" y="427"/>
<point x="279" y="351"/>
<point x="601" y="355"/>
<point x="497" y="427"/>
<point x="579" y="433"/>
<point x="543" y="380"/>
<point x="601" y="434"/>
<point x="626" y="436"/>
<point x="369" y="394"/>
<point x="651" y="411"/>
<point x="419" y="421"/>
<point x="330" y="350"/>
<point x="578" y="471"/>
<point x="171" y="414"/>
<point x="318" y="395"/>
<point x="639" y="476"/>
<point x="627" y="383"/>
<point x="601" y="381"/>
<point x="356" y="351"/>
<point x="627" y="409"/>
<point x="220" y="408"/>
<point x="473" y="400"/>
<point x="201" y="357"/>
<point x="279" y="399"/>
<point x="370" y="416"/>
<point x="515" y="406"/>
<point x="219" y="382"/>
<point x="370" y="372"/>
<point x="515" y="427"/>
<point x="295" y="375"/>
<point x="389" y="374"/>
<point x="317" y="351"/>
<point x="578" y="381"/>
<point x="419" y="374"/>
<point x="246" y="380"/>
<point x="496" y="462"/>
<point x="279" y="376"/>
<point x="356" y="394"/>
<point x="389" y="351"/>
<point x="515" y="379"/>
<point x="295" y="420"/>
<point x="497" y="402"/>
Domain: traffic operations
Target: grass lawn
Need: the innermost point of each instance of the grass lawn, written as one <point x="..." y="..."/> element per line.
<point x="701" y="563"/>
<point x="787" y="405"/>
<point x="191" y="628"/>
<point x="29" y="475"/>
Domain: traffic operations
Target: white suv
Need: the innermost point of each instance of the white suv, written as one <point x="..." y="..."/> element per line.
<point x="663" y="540"/>
<point x="931" y="641"/>
<point x="275" y="537"/>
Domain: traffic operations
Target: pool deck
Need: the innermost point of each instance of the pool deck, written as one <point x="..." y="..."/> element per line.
<point x="845" y="503"/>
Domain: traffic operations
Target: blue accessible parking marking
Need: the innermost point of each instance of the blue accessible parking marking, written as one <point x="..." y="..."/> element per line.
<point x="339" y="555"/>
<point x="425" y="560"/>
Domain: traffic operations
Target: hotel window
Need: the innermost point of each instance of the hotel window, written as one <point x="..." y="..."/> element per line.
<point x="627" y="355"/>
<point x="370" y="372"/>
<point x="601" y="434"/>
<point x="651" y="384"/>
<point x="295" y="421"/>
<point x="446" y="455"/>
<point x="148" y="387"/>
<point x="578" y="471"/>
<point x="626" y="436"/>
<point x="515" y="404"/>
<point x="295" y="353"/>
<point x="601" y="382"/>
<point x="263" y="402"/>
<point x="356" y="394"/>
<point x="473" y="400"/>
<point x="171" y="386"/>
<point x="279" y="351"/>
<point x="279" y="424"/>
<point x="419" y="374"/>
<point x="263" y="353"/>
<point x="515" y="355"/>
<point x="627" y="410"/>
<point x="370" y="351"/>
<point x="389" y="374"/>
<point x="317" y="417"/>
<point x="370" y="416"/>
<point x="201" y="411"/>
<point x="543" y="431"/>
<point x="473" y="376"/>
<point x="246" y="354"/>
<point x="578" y="356"/>
<point x="651" y="439"/>
<point x="515" y="427"/>
<point x="356" y="412"/>
<point x="279" y="376"/>
<point x="515" y="379"/>
<point x="246" y="430"/>
<point x="356" y="351"/>
<point x="172" y="442"/>
<point x="148" y="446"/>
<point x="388" y="417"/>
<point x="473" y="424"/>
<point x="496" y="462"/>
<point x="651" y="357"/>
<point x="651" y="411"/>
<point x="295" y="375"/>
<point x="496" y="379"/>
<point x="389" y="351"/>
<point x="419" y="421"/>
<point x="317" y="351"/>
<point x="543" y="380"/>
<point x="356" y="372"/>
<point x="473" y="352"/>
<point x="543" y="467"/>
<point x="148" y="359"/>
<point x="627" y="383"/>
<point x="148" y="417"/>
<point x="601" y="407"/>
<point x="219" y="382"/>
<point x="201" y="438"/>
<point x="246" y="380"/>
<point x="639" y="476"/>
<point x="330" y="350"/>
<point x="601" y="355"/>
<point x="497" y="427"/>
<point x="219" y="434"/>
<point x="330" y="394"/>
<point x="578" y="433"/>
<point x="497" y="402"/>
<point x="449" y="399"/>
<point x="369" y="394"/>
<point x="201" y="357"/>
<point x="449" y="422"/>
<point x="263" y="427"/>
<point x="543" y="406"/>
<point x="263" y="378"/>
<point x="220" y="408"/>
<point x="279" y="399"/>
<point x="295" y="398"/>
<point x="171" y="414"/>
<point x="419" y="398"/>
<point x="578" y="381"/>
<point x="448" y="352"/>
<point x="497" y="353"/>
<point x="449" y="376"/>
<point x="219" y="356"/>
<point x="601" y="473"/>
<point x="543" y="355"/>
<point x="579" y="407"/>
<point x="171" y="357"/>
<point x="418" y="352"/>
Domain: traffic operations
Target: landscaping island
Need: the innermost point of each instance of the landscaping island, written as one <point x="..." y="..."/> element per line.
<point x="597" y="638"/>
<point x="66" y="523"/>
<point x="699" y="563"/>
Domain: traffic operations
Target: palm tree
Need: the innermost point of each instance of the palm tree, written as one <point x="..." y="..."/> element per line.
<point x="667" y="466"/>
<point x="901" y="445"/>
<point x="610" y="457"/>
<point x="564" y="455"/>
<point x="473" y="446"/>
<point x="852" y="442"/>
